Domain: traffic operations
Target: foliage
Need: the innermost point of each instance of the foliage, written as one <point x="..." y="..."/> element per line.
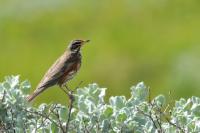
<point x="90" y="113"/>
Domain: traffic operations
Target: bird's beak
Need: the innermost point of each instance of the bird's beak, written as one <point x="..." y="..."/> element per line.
<point x="85" y="41"/>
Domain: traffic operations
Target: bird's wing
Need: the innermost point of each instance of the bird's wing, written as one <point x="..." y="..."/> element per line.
<point x="55" y="71"/>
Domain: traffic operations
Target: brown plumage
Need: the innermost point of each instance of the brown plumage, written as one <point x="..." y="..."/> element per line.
<point x="64" y="69"/>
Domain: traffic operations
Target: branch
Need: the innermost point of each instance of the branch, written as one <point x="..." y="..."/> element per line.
<point x="59" y="121"/>
<point x="150" y="116"/>
<point x="71" y="100"/>
<point x="44" y="116"/>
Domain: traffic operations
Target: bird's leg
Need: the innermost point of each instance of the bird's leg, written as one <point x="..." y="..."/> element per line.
<point x="64" y="90"/>
<point x="67" y="88"/>
<point x="68" y="92"/>
<point x="79" y="85"/>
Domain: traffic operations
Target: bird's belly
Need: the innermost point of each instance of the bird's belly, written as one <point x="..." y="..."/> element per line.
<point x="69" y="74"/>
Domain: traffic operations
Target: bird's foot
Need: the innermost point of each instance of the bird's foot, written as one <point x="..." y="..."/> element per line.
<point x="68" y="92"/>
<point x="71" y="96"/>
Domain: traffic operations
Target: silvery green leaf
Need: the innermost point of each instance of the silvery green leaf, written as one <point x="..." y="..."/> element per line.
<point x="105" y="126"/>
<point x="82" y="106"/>
<point x="132" y="124"/>
<point x="12" y="80"/>
<point x="108" y="111"/>
<point x="94" y="119"/>
<point x="195" y="100"/>
<point x="121" y="117"/>
<point x="42" y="106"/>
<point x="187" y="105"/>
<point x="96" y="93"/>
<point x="90" y="105"/>
<point x="1" y="87"/>
<point x="63" y="113"/>
<point x="159" y="100"/>
<point x="149" y="127"/>
<point x="92" y="87"/>
<point x="118" y="101"/>
<point x="181" y="119"/>
<point x="139" y="91"/>
<point x="6" y="85"/>
<point x="196" y="109"/>
<point x="197" y="125"/>
<point x="82" y="91"/>
<point x="25" y="86"/>
<point x="180" y="103"/>
<point x="18" y="130"/>
<point x="54" y="128"/>
<point x="102" y="94"/>
<point x="16" y="94"/>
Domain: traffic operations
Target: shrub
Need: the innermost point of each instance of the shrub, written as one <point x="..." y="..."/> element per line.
<point x="89" y="113"/>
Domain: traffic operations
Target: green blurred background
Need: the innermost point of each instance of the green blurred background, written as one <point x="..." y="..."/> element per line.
<point x="155" y="41"/>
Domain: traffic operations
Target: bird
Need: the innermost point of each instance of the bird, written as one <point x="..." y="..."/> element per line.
<point x="63" y="70"/>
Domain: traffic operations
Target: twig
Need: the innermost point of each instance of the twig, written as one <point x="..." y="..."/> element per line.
<point x="59" y="121"/>
<point x="36" y="121"/>
<point x="78" y="85"/>
<point x="173" y="124"/>
<point x="166" y="108"/>
<point x="85" y="127"/>
<point x="159" y="123"/>
<point x="13" y="122"/>
<point x="160" y="120"/>
<point x="149" y="98"/>
<point x="150" y="116"/>
<point x="42" y="115"/>
<point x="71" y="100"/>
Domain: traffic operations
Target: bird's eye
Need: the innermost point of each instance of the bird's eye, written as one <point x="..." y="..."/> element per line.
<point x="75" y="45"/>
<point x="76" y="42"/>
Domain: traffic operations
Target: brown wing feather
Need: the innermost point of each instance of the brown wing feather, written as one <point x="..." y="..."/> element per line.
<point x="55" y="71"/>
<point x="69" y="73"/>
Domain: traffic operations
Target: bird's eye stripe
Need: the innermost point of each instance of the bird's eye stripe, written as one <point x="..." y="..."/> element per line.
<point x="77" y="42"/>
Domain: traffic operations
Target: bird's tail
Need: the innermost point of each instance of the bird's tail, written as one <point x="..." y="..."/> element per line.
<point x="35" y="94"/>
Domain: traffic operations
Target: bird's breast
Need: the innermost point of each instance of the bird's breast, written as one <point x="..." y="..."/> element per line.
<point x="69" y="73"/>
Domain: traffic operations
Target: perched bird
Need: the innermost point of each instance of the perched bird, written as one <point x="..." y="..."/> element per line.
<point x="64" y="69"/>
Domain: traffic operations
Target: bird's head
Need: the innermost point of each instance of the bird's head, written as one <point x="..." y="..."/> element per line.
<point x="75" y="45"/>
